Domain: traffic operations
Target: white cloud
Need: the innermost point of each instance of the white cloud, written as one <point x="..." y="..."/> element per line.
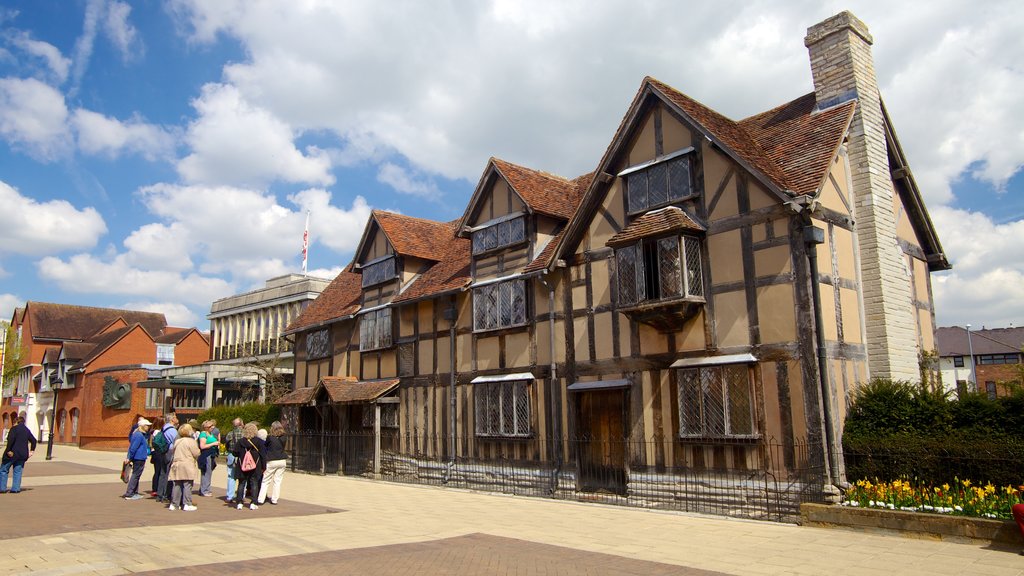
<point x="88" y="274"/>
<point x="110" y="18"/>
<point x="33" y="117"/>
<point x="337" y="228"/>
<point x="177" y="314"/>
<point x="402" y="181"/>
<point x="8" y="302"/>
<point x="986" y="284"/>
<point x="30" y="227"/>
<point x="55" y="61"/>
<point x="102" y="135"/>
<point x="161" y="247"/>
<point x="120" y="32"/>
<point x="234" y="142"/>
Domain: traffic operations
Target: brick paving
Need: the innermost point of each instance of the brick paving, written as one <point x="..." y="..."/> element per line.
<point x="471" y="554"/>
<point x="69" y="520"/>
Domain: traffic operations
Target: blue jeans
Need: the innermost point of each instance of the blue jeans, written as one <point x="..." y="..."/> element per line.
<point x="5" y="468"/>
<point x="231" y="476"/>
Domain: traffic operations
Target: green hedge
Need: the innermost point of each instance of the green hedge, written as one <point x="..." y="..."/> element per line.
<point x="262" y="414"/>
<point x="896" y="429"/>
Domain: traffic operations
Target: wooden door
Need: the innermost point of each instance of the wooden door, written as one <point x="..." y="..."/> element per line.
<point x="602" y="442"/>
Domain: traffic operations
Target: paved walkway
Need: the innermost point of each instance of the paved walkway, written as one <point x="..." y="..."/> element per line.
<point x="69" y="520"/>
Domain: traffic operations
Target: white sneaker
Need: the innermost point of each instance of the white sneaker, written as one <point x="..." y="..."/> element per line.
<point x="172" y="507"/>
<point x="253" y="506"/>
<point x="239" y="507"/>
<point x="189" y="508"/>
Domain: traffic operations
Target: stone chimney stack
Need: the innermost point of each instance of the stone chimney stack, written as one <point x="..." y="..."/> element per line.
<point x="843" y="70"/>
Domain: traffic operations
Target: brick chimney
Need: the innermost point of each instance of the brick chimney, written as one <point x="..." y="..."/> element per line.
<point x="842" y="67"/>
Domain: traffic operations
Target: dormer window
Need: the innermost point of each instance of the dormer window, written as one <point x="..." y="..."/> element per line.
<point x="500" y="233"/>
<point x="665" y="180"/>
<point x="379" y="270"/>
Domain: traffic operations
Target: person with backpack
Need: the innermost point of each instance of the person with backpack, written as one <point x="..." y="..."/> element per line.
<point x="249" y="457"/>
<point x="229" y="440"/>
<point x="170" y="431"/>
<point x="157" y="450"/>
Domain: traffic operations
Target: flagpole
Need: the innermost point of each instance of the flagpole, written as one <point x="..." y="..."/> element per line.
<point x="305" y="245"/>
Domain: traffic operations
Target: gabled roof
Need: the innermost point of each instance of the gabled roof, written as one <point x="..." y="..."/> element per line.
<point x="340" y="390"/>
<point x="177" y="335"/>
<point x="70" y="322"/>
<point x="408" y="236"/>
<point x="788" y="148"/>
<point x="542" y="192"/>
<point x="452" y="272"/>
<point x="340" y="299"/>
<point x="106" y="341"/>
<point x="668" y="219"/>
<point x="51" y="355"/>
<point x="74" y="351"/>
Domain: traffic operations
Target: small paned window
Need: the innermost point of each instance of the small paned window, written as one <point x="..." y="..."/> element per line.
<point x="388" y="415"/>
<point x="990" y="389"/>
<point x="659" y="269"/>
<point x="958" y="361"/>
<point x="379" y="272"/>
<point x="499" y="305"/>
<point x="375" y="329"/>
<point x="716" y="402"/>
<point x="406" y="359"/>
<point x="998" y="359"/>
<point x="318" y="344"/>
<point x="502" y="409"/>
<point x="659" y="184"/>
<point x="499" y="235"/>
<point x="165" y="354"/>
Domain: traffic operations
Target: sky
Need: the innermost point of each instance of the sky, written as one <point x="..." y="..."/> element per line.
<point x="161" y="155"/>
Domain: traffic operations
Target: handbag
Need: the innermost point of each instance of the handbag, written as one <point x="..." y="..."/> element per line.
<point x="126" y="471"/>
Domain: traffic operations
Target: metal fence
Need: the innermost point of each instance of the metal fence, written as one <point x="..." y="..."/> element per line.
<point x="767" y="480"/>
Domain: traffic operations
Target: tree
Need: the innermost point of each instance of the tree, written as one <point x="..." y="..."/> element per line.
<point x="13" y="356"/>
<point x="269" y="378"/>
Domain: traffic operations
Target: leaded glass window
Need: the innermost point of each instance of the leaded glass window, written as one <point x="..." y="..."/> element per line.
<point x="499" y="235"/>
<point x="499" y="305"/>
<point x="659" y="184"/>
<point x="502" y="408"/>
<point x="375" y="329"/>
<point x="378" y="272"/>
<point x="716" y="402"/>
<point x="659" y="269"/>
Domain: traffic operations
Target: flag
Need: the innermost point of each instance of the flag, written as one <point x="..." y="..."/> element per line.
<point x="305" y="244"/>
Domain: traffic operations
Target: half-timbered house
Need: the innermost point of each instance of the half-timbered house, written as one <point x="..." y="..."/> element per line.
<point x="702" y="302"/>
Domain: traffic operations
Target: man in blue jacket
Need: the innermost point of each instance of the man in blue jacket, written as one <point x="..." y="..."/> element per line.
<point x="17" y="452"/>
<point x="138" y="453"/>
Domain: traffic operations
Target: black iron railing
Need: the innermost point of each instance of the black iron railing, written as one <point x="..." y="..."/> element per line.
<point x="754" y="479"/>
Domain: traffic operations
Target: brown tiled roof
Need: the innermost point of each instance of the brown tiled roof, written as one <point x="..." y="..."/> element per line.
<point x="450" y="273"/>
<point x="50" y="355"/>
<point x="340" y="298"/>
<point x="790" y="145"/>
<point x="414" y="236"/>
<point x="298" y="396"/>
<point x="800" y="142"/>
<point x="69" y="322"/>
<point x="544" y="258"/>
<point x="345" y="389"/>
<point x="176" y="335"/>
<point x="668" y="219"/>
<point x="543" y="192"/>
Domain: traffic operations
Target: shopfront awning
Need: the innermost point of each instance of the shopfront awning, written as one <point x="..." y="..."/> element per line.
<point x="715" y="360"/>
<point x="503" y="378"/>
<point x="341" y="390"/>
<point x="173" y="383"/>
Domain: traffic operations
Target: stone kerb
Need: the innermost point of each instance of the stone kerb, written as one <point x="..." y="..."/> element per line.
<point x="912" y="524"/>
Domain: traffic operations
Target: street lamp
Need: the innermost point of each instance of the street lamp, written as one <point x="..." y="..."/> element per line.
<point x="970" y="346"/>
<point x="55" y="383"/>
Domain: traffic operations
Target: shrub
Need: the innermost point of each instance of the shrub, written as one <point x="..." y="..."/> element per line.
<point x="262" y="414"/>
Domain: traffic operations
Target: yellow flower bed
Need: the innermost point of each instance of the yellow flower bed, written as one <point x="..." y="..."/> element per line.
<point x="961" y="498"/>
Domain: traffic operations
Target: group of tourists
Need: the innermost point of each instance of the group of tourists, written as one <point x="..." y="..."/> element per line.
<point x="183" y="453"/>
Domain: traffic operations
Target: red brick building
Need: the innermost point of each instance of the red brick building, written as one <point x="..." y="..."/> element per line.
<point x="83" y="364"/>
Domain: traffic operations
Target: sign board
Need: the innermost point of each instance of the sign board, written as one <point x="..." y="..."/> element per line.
<point x="18" y="400"/>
